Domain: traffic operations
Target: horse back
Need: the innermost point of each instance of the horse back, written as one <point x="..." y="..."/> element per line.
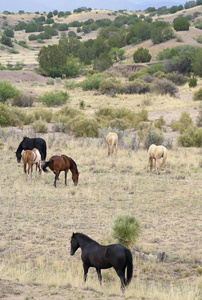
<point x="94" y="255"/>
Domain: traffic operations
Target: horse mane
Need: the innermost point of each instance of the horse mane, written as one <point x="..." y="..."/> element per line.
<point x="74" y="164"/>
<point x="85" y="237"/>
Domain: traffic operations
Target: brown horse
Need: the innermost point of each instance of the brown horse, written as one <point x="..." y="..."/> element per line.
<point x="112" y="142"/>
<point x="31" y="157"/>
<point x="156" y="153"/>
<point x="62" y="163"/>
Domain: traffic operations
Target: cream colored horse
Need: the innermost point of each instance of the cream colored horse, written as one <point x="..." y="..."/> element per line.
<point x="156" y="153"/>
<point x="112" y="142"/>
<point x="31" y="157"/>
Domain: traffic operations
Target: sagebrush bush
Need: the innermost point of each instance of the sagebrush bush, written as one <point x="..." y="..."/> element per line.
<point x="138" y="86"/>
<point x="151" y="136"/>
<point x="54" y="99"/>
<point x="23" y="101"/>
<point x="13" y="116"/>
<point x="126" y="230"/>
<point x="108" y="86"/>
<point x="163" y="87"/>
<point x="199" y="118"/>
<point x="198" y="95"/>
<point x="43" y="114"/>
<point x="191" y="137"/>
<point x="50" y="81"/>
<point x="84" y="127"/>
<point x="66" y="112"/>
<point x="40" y="126"/>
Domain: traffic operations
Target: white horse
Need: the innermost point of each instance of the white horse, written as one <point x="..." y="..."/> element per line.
<point x="31" y="157"/>
<point x="156" y="153"/>
<point x="112" y="142"/>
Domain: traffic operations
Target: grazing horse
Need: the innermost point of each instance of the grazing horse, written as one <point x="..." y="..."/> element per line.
<point x="29" y="144"/>
<point x="112" y="142"/>
<point x="31" y="157"/>
<point x="62" y="163"/>
<point x="156" y="153"/>
<point x="103" y="257"/>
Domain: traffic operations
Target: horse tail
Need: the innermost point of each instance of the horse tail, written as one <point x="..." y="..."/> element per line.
<point x="44" y="154"/>
<point x="129" y="264"/>
<point x="113" y="143"/>
<point x="164" y="156"/>
<point x="48" y="163"/>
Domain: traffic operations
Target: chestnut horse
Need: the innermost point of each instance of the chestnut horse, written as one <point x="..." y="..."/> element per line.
<point x="62" y="163"/>
<point x="103" y="257"/>
<point x="156" y="153"/>
<point x="31" y="157"/>
<point x="112" y="142"/>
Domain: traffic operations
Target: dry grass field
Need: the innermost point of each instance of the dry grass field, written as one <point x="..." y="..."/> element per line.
<point x="37" y="219"/>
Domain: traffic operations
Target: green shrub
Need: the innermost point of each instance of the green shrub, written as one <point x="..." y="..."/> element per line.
<point x="198" y="95"/>
<point x="163" y="87"/>
<point x="160" y="122"/>
<point x="141" y="55"/>
<point x="152" y="136"/>
<point x="92" y="82"/>
<point x="126" y="230"/>
<point x="193" y="82"/>
<point x="82" y="104"/>
<point x="191" y="137"/>
<point x="184" y="122"/>
<point x="54" y="99"/>
<point x="155" y="68"/>
<point x="40" y="126"/>
<point x="7" y="91"/>
<point x="23" y="101"/>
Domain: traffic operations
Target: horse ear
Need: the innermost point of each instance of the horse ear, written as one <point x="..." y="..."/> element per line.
<point x="73" y="234"/>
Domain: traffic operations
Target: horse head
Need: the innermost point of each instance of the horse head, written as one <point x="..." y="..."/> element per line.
<point x="18" y="155"/>
<point x="75" y="178"/>
<point x="74" y="244"/>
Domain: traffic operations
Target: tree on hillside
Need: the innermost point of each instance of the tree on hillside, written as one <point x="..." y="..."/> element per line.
<point x="139" y="32"/>
<point x="161" y="32"/>
<point x="103" y="62"/>
<point x="181" y="24"/>
<point x="141" y="55"/>
<point x="197" y="65"/>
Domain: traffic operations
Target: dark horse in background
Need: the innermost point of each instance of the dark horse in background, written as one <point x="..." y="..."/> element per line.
<point x="60" y="163"/>
<point x="30" y="144"/>
<point x="103" y="257"/>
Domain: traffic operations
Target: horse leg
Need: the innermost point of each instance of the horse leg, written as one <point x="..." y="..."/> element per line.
<point x="121" y="274"/>
<point x="99" y="275"/>
<point x="65" y="177"/>
<point x="55" y="180"/>
<point x="85" y="268"/>
<point x="108" y="149"/>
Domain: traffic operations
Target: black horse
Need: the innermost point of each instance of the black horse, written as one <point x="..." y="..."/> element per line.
<point x="30" y="144"/>
<point x="103" y="257"/>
